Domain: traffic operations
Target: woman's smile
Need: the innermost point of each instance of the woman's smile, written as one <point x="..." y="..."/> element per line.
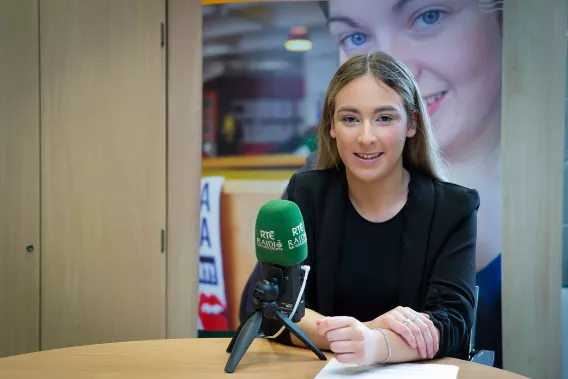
<point x="368" y="158"/>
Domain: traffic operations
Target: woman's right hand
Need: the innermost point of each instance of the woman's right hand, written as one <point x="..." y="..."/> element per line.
<point x="415" y="328"/>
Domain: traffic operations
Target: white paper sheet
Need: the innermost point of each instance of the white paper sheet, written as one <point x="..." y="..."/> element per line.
<point x="336" y="370"/>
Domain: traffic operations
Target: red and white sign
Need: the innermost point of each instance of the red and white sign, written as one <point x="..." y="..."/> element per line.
<point x="213" y="315"/>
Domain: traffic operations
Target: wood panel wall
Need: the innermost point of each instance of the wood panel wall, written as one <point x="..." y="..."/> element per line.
<point x="103" y="180"/>
<point x="19" y="177"/>
<point x="534" y="64"/>
<point x="184" y="164"/>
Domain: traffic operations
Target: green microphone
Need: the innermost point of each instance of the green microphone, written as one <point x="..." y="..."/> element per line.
<point x="280" y="236"/>
<point x="281" y="247"/>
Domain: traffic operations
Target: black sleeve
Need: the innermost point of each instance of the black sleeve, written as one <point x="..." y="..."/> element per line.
<point x="309" y="165"/>
<point x="450" y="295"/>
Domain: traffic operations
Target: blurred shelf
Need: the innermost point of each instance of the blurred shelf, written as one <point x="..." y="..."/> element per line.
<point x="287" y="161"/>
<point x="255" y="186"/>
<point x="251" y="174"/>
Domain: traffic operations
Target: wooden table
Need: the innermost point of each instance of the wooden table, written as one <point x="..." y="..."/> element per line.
<point x="186" y="359"/>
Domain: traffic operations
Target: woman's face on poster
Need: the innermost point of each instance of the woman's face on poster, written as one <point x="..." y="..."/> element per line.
<point x="453" y="47"/>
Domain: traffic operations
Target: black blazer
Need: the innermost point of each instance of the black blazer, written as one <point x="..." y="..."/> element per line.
<point x="438" y="257"/>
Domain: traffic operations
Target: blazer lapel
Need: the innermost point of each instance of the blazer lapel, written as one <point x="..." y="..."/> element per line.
<point x="330" y="237"/>
<point x="415" y="239"/>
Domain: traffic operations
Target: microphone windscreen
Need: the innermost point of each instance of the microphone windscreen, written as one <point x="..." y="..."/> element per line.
<point x="280" y="236"/>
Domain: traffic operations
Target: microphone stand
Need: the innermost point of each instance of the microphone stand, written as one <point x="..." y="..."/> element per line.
<point x="265" y="305"/>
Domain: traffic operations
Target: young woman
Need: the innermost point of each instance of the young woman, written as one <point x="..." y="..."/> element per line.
<point x="391" y="244"/>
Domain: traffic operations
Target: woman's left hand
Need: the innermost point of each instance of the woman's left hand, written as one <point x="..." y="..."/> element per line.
<point x="350" y="340"/>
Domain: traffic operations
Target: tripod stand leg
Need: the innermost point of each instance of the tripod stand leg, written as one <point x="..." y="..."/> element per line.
<point x="300" y="335"/>
<point x="234" y="339"/>
<point x="243" y="340"/>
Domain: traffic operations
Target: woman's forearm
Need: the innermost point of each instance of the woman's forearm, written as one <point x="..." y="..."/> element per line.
<point x="309" y="327"/>
<point x="401" y="351"/>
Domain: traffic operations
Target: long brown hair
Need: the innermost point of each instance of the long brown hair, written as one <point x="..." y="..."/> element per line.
<point x="421" y="151"/>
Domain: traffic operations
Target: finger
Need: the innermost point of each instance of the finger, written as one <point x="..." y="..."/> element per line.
<point x="420" y="321"/>
<point x="426" y="336"/>
<point x="343" y="334"/>
<point x="434" y="333"/>
<point x="331" y="323"/>
<point x="401" y="329"/>
<point x="319" y="327"/>
<point x="348" y="358"/>
<point x="421" y="341"/>
<point x="322" y="326"/>
<point x="340" y="347"/>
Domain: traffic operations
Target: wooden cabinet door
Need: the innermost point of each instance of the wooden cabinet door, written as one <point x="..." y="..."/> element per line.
<point x="19" y="177"/>
<point x="103" y="120"/>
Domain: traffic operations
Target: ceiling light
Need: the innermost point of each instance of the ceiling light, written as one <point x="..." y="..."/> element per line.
<point x="298" y="39"/>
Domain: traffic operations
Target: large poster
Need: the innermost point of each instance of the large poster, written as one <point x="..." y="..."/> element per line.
<point x="266" y="69"/>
